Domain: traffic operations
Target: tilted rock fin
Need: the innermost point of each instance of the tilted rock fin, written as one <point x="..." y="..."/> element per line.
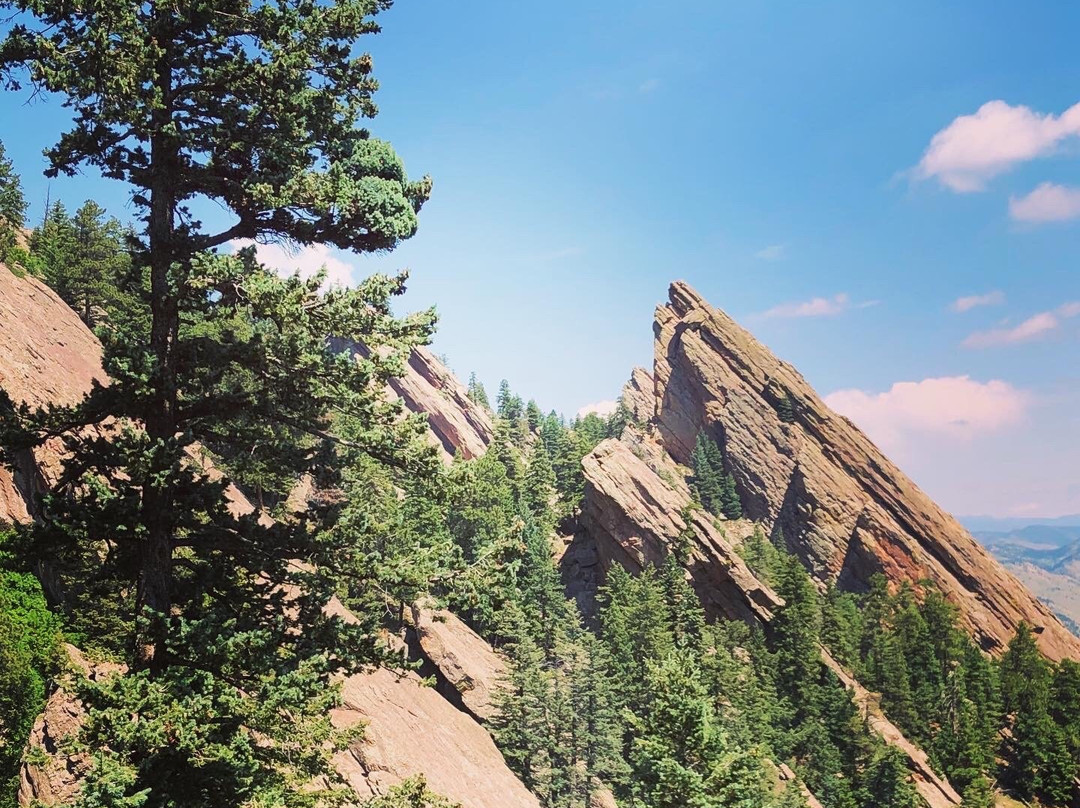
<point x="843" y="506"/>
<point x="635" y="517"/>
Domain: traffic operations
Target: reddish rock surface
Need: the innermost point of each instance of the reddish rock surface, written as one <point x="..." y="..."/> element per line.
<point x="638" y="395"/>
<point x="464" y="661"/>
<point x="459" y="425"/>
<point x="47" y="356"/>
<point x="635" y="516"/>
<point x="842" y="505"/>
<point x="410" y="730"/>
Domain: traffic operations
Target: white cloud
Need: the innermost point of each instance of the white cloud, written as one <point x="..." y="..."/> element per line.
<point x="962" y="304"/>
<point x="1033" y="328"/>
<point x="955" y="407"/>
<point x="818" y="307"/>
<point x="975" y="148"/>
<point x="601" y="408"/>
<point x="307" y="261"/>
<point x="1047" y="203"/>
<point x="649" y="85"/>
<point x="774" y="252"/>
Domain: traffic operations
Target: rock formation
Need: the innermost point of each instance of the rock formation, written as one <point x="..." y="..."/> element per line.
<point x="47" y="356"/>
<point x="410" y="729"/>
<point x="460" y="425"/>
<point x="467" y="669"/>
<point x="635" y="517"/>
<point x="843" y="507"/>
<point x="638" y="396"/>
<point x="56" y="777"/>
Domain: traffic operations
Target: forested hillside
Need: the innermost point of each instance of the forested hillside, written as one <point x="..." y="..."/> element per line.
<point x="259" y="547"/>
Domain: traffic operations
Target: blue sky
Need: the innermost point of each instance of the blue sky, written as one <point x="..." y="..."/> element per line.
<point x="781" y="158"/>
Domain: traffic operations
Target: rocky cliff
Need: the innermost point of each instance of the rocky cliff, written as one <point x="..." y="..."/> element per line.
<point x="843" y="507"/>
<point x="47" y="356"/>
<point x="634" y="515"/>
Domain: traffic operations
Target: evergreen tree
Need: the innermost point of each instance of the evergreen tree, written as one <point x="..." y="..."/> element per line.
<point x="796" y="630"/>
<point x="681" y="755"/>
<point x="533" y="415"/>
<point x="1041" y="765"/>
<point x="29" y="655"/>
<point x="519" y="722"/>
<point x="504" y="400"/>
<point x="257" y="110"/>
<point x="84" y="259"/>
<point x="477" y="393"/>
<point x="713" y="486"/>
<point x="12" y="206"/>
<point x="619" y="419"/>
<point x="538" y="486"/>
<point x="785" y="408"/>
<point x="887" y="782"/>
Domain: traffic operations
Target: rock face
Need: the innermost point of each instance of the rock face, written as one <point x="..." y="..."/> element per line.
<point x="411" y="730"/>
<point x="634" y="516"/>
<point x="841" y="504"/>
<point x="458" y="423"/>
<point x="47" y="356"/>
<point x="638" y="396"/>
<point x="468" y="670"/>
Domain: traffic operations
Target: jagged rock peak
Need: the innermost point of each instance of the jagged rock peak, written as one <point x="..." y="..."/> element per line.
<point x="639" y="395"/>
<point x="800" y="468"/>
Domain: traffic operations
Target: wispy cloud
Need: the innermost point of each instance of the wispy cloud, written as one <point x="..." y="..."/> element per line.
<point x="962" y="304"/>
<point x="952" y="406"/>
<point x="818" y="307"/>
<point x="601" y="408"/>
<point x="974" y="149"/>
<point x="306" y="261"/>
<point x="774" y="252"/>
<point x="649" y="86"/>
<point x="1047" y="203"/>
<point x="1036" y="327"/>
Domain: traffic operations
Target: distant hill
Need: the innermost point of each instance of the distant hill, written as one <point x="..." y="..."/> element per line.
<point x="1044" y="554"/>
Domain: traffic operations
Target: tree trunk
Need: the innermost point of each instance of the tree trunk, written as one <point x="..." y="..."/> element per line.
<point x="158" y="498"/>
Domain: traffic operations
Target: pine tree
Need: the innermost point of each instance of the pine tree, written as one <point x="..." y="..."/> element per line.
<point x="713" y="486"/>
<point x="538" y="486"/>
<point x="519" y="722"/>
<point x="504" y="400"/>
<point x="174" y="101"/>
<point x="796" y="632"/>
<point x="1041" y="765"/>
<point x="84" y="259"/>
<point x="681" y="755"/>
<point x="12" y="206"/>
<point x="477" y="393"/>
<point x="888" y="783"/>
<point x="785" y="408"/>
<point x="533" y="415"/>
